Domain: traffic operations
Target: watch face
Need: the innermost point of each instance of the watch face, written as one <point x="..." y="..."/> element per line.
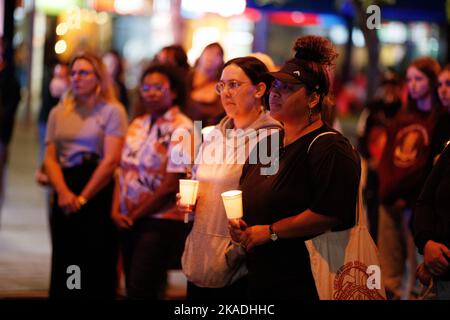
<point x="273" y="236"/>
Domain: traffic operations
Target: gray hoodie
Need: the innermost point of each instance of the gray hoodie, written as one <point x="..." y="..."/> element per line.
<point x="210" y="258"/>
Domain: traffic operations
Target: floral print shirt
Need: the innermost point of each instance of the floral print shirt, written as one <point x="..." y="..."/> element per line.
<point x="150" y="152"/>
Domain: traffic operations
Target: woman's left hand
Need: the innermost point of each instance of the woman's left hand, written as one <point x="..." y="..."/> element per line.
<point x="236" y="227"/>
<point x="255" y="236"/>
<point x="68" y="202"/>
<point x="423" y="274"/>
<point x="435" y="257"/>
<point x="122" y="221"/>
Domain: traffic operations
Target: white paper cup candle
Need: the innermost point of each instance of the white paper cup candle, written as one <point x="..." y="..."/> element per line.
<point x="232" y="201"/>
<point x="188" y="193"/>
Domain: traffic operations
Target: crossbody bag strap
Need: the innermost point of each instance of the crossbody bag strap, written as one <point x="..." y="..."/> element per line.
<point x="317" y="137"/>
<point x="359" y="203"/>
<point x="359" y="206"/>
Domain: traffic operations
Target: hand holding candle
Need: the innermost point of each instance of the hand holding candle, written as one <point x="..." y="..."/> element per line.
<point x="232" y="201"/>
<point x="188" y="194"/>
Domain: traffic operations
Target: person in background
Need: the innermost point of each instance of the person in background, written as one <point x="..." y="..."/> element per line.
<point x="441" y="133"/>
<point x="372" y="126"/>
<point x="203" y="103"/>
<point x="351" y="96"/>
<point x="176" y="56"/>
<point x="144" y="205"/>
<point x="404" y="165"/>
<point x="83" y="144"/>
<point x="114" y="64"/>
<point x="431" y="228"/>
<point x="213" y="264"/>
<point x="53" y="90"/>
<point x="431" y="223"/>
<point x="313" y="191"/>
<point x="9" y="102"/>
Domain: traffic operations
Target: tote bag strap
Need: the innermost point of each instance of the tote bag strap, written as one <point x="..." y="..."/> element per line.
<point x="359" y="206"/>
<point x="317" y="137"/>
<point x="359" y="219"/>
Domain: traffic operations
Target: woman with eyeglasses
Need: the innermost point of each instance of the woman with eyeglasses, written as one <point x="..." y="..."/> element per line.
<point x="144" y="206"/>
<point x="212" y="263"/>
<point x="83" y="143"/>
<point x="314" y="189"/>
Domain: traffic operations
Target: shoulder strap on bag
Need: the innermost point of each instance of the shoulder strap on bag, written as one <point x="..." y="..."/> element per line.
<point x="359" y="202"/>
<point x="446" y="144"/>
<point x="318" y="136"/>
<point x="359" y="207"/>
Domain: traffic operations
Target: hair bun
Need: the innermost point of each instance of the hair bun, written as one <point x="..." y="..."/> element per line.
<point x="315" y="48"/>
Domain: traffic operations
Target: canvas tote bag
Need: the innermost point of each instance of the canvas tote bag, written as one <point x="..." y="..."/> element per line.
<point x="345" y="264"/>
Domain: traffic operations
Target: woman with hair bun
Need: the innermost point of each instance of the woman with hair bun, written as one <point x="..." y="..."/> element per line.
<point x="313" y="191"/>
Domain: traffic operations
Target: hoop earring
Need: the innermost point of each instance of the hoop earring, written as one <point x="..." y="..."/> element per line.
<point x="310" y="116"/>
<point x="98" y="90"/>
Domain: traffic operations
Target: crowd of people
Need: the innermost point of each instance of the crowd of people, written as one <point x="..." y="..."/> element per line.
<point x="114" y="171"/>
<point x="400" y="142"/>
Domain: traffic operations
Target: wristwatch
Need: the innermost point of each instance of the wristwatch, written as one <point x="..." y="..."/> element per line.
<point x="273" y="235"/>
<point x="82" y="200"/>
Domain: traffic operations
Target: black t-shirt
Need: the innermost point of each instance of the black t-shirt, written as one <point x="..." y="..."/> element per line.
<point x="441" y="134"/>
<point x="432" y="212"/>
<point x="324" y="180"/>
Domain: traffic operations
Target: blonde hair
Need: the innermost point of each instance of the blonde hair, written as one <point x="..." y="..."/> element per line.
<point x="105" y="89"/>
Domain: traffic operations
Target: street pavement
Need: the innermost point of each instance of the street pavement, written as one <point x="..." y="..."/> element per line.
<point x="24" y="233"/>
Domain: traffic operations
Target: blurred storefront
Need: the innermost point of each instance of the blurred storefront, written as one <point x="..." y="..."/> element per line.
<point x="226" y="22"/>
<point x="55" y="30"/>
<point x="46" y="30"/>
<point x="408" y="29"/>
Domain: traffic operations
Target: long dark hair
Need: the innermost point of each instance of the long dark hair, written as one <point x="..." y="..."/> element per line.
<point x="120" y="70"/>
<point x="221" y="53"/>
<point x="179" y="55"/>
<point x="431" y="69"/>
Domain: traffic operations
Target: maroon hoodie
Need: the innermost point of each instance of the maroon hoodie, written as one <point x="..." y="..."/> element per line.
<point x="406" y="159"/>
